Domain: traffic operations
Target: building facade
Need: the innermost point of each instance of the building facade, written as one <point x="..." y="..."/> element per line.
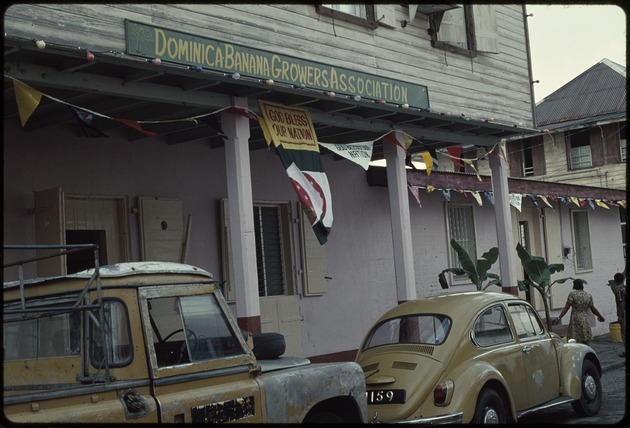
<point x="136" y="126"/>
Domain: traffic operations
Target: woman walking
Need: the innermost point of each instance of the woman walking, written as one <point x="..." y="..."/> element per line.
<point x="581" y="302"/>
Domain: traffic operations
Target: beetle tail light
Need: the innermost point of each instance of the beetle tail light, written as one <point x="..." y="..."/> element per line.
<point x="443" y="392"/>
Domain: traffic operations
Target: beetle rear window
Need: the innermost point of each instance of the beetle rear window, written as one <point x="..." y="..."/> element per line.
<point x="429" y="329"/>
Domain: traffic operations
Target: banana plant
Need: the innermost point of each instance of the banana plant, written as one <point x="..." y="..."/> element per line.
<point x="538" y="274"/>
<point x="476" y="271"/>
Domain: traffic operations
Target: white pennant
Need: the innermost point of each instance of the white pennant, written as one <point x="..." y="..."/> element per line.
<point x="360" y="153"/>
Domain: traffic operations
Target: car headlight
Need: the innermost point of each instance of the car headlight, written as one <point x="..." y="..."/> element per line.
<point x="443" y="392"/>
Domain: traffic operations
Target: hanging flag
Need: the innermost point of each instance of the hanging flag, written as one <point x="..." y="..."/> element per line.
<point x="533" y="199"/>
<point x="623" y="204"/>
<point x="27" y="100"/>
<point x="469" y="162"/>
<point x="503" y="149"/>
<point x="293" y="135"/>
<point x="516" y="200"/>
<point x="447" y="194"/>
<point x="84" y="119"/>
<point x="477" y="197"/>
<point x="135" y="125"/>
<point x="359" y="153"/>
<point x="490" y="197"/>
<point x="416" y="193"/>
<point x="456" y="156"/>
<point x="544" y="199"/>
<point x="591" y="203"/>
<point x="428" y="161"/>
<point x="601" y="204"/>
<point x="399" y="138"/>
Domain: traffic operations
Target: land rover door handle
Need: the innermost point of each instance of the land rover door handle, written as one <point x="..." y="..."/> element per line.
<point x="527" y="349"/>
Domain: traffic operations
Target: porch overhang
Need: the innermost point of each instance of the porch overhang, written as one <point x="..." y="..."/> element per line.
<point x="123" y="86"/>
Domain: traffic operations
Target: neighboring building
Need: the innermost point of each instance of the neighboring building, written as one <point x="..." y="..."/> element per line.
<point x="583" y="143"/>
<point x="186" y="174"/>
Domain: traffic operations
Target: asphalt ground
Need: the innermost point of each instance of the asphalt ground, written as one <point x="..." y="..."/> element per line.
<point x="608" y="352"/>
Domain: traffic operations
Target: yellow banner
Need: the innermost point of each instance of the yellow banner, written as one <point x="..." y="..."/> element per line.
<point x="289" y="127"/>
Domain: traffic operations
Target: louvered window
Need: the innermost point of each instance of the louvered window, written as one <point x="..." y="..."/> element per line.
<point x="269" y="251"/>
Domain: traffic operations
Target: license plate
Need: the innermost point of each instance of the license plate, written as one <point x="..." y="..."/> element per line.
<point x="385" y="396"/>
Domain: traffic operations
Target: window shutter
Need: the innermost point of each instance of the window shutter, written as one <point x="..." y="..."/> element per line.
<point x="486" y="28"/>
<point x="161" y="228"/>
<point x="514" y="159"/>
<point x="538" y="155"/>
<point x="597" y="147"/>
<point x="453" y="28"/>
<point x="312" y="260"/>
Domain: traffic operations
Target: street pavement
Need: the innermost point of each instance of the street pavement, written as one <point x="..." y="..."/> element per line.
<point x="608" y="352"/>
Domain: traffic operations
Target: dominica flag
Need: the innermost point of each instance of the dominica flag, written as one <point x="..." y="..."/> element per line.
<point x="292" y="133"/>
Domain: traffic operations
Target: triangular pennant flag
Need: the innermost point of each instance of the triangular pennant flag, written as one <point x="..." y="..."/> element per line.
<point x="469" y="162"/>
<point x="477" y="197"/>
<point x="564" y="200"/>
<point x="135" y="125"/>
<point x="415" y="192"/>
<point x="601" y="204"/>
<point x="242" y="111"/>
<point x="623" y="204"/>
<point x="27" y="100"/>
<point x="516" y="200"/>
<point x="503" y="149"/>
<point x="544" y="199"/>
<point x="84" y="119"/>
<point x="456" y="155"/>
<point x="400" y="138"/>
<point x="447" y="194"/>
<point x="591" y="203"/>
<point x="533" y="199"/>
<point x="489" y="196"/>
<point x="359" y="153"/>
<point x="428" y="161"/>
<point x="575" y="200"/>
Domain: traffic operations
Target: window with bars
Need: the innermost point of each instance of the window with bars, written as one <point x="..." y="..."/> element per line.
<point x="461" y="227"/>
<point x="269" y="250"/>
<point x="580" y="150"/>
<point x="581" y="241"/>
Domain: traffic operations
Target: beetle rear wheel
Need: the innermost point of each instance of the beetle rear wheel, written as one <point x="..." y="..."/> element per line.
<point x="490" y="408"/>
<point x="591" y="399"/>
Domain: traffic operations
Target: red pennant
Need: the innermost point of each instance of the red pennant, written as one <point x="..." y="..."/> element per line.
<point x="133" y="124"/>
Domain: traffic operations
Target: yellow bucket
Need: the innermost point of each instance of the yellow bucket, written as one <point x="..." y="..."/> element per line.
<point x="615" y="332"/>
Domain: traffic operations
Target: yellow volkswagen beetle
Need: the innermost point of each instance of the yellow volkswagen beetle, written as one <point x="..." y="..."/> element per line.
<point x="472" y="357"/>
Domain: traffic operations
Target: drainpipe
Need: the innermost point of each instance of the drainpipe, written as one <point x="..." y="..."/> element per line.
<point x="529" y="66"/>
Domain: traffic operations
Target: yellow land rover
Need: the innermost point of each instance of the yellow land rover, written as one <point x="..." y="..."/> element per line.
<point x="154" y="342"/>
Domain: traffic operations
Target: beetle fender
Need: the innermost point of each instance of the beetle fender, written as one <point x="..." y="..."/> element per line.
<point x="571" y="360"/>
<point x="290" y="394"/>
<point x="469" y="380"/>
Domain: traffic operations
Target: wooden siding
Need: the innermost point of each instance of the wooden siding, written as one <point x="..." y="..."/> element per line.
<point x="489" y="85"/>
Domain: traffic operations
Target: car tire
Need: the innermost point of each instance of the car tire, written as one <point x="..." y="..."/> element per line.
<point x="490" y="408"/>
<point x="591" y="385"/>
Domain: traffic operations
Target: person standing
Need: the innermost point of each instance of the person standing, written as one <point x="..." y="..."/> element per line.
<point x="620" y="300"/>
<point x="581" y="302"/>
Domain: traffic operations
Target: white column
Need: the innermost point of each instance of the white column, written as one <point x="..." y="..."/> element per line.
<point x="241" y="212"/>
<point x="503" y="218"/>
<point x="401" y="224"/>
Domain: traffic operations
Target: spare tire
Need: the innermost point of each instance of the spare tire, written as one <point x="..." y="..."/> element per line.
<point x="267" y="345"/>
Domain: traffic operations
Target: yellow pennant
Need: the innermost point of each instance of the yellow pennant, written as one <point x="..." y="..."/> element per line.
<point x="544" y="199"/>
<point x="428" y="161"/>
<point x="27" y="100"/>
<point x="623" y="204"/>
<point x="575" y="200"/>
<point x="601" y="204"/>
<point x="477" y="197"/>
<point x="469" y="162"/>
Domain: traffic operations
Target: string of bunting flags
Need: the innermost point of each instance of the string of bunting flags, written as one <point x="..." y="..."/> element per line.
<point x="360" y="153"/>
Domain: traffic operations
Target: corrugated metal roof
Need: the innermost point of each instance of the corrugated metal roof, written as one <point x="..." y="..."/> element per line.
<point x="598" y="94"/>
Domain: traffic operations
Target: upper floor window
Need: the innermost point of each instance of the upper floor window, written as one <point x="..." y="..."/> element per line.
<point x="580" y="150"/>
<point x="527" y="158"/>
<point x="466" y="29"/>
<point x="362" y="14"/>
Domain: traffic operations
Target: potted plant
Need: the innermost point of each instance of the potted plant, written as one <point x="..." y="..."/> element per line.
<point x="476" y="271"/>
<point x="538" y="275"/>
